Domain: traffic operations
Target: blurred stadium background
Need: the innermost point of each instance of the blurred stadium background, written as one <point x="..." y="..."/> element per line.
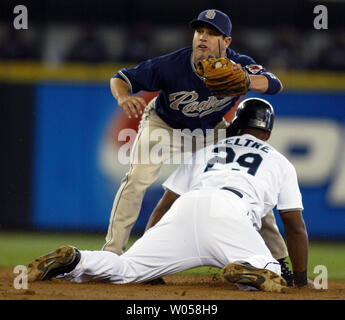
<point x="60" y="123"/>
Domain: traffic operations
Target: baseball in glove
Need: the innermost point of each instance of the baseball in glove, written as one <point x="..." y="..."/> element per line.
<point x="221" y="78"/>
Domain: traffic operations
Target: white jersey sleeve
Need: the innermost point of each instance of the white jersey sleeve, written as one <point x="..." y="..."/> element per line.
<point x="179" y="181"/>
<point x="289" y="197"/>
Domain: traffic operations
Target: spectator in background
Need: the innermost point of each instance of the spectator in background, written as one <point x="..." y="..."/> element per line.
<point x="286" y="53"/>
<point x="89" y="48"/>
<point x="333" y="56"/>
<point x="13" y="47"/>
<point x="240" y="43"/>
<point x="138" y="46"/>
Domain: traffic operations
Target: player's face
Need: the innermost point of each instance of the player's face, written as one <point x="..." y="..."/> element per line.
<point x="208" y="42"/>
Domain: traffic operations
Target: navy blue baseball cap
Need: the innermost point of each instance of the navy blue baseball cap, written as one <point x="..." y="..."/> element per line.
<point x="215" y="18"/>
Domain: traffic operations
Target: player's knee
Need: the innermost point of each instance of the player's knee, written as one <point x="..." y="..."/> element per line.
<point x="143" y="174"/>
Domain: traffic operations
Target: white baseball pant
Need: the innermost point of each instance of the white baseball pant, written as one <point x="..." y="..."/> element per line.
<point x="202" y="228"/>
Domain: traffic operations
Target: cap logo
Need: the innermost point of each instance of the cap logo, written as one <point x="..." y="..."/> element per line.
<point x="210" y="14"/>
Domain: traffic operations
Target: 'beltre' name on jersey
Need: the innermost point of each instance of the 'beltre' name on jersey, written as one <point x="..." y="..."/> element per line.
<point x="245" y="142"/>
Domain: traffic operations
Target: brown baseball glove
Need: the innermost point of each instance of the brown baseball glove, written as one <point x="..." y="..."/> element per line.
<point x="221" y="78"/>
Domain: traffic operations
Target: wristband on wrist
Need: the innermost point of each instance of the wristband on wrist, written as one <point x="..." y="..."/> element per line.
<point x="300" y="278"/>
<point x="274" y="84"/>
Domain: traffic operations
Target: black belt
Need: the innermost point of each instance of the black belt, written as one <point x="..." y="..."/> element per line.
<point x="234" y="191"/>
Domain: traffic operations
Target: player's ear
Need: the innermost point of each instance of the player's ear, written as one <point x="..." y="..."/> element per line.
<point x="268" y="135"/>
<point x="227" y="41"/>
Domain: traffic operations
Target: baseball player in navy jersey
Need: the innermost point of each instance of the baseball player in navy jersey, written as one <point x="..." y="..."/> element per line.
<point x="222" y="195"/>
<point x="183" y="102"/>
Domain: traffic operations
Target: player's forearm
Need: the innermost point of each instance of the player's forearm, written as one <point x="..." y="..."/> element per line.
<point x="119" y="88"/>
<point x="162" y="207"/>
<point x="258" y="83"/>
<point x="267" y="83"/>
<point x="156" y="215"/>
<point x="297" y="244"/>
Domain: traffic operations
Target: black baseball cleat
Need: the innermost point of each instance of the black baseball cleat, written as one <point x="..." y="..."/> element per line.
<point x="57" y="262"/>
<point x="262" y="279"/>
<point x="286" y="273"/>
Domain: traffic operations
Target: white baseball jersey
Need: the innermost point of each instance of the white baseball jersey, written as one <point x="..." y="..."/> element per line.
<point x="247" y="164"/>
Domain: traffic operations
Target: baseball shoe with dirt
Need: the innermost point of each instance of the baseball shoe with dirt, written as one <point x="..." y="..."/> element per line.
<point x="262" y="279"/>
<point x="57" y="262"/>
<point x="286" y="273"/>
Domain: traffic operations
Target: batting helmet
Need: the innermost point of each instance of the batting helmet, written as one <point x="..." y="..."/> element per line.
<point x="254" y="113"/>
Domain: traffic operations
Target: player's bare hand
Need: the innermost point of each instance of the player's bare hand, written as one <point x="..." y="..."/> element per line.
<point x="237" y="66"/>
<point x="309" y="285"/>
<point x="132" y="105"/>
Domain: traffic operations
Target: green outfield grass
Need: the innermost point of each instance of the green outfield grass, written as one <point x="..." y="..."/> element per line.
<point x="22" y="247"/>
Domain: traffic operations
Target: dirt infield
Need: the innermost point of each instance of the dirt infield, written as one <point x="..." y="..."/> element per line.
<point x="178" y="287"/>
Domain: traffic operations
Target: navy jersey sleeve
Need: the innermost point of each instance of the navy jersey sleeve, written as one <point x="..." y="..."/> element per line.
<point x="242" y="59"/>
<point x="274" y="84"/>
<point x="247" y="62"/>
<point x="145" y="76"/>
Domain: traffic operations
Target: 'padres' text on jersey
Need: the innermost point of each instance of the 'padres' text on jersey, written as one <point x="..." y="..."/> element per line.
<point x="183" y="100"/>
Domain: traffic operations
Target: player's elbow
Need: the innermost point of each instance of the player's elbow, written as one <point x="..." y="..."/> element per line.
<point x="296" y="229"/>
<point x="111" y="82"/>
<point x="294" y="223"/>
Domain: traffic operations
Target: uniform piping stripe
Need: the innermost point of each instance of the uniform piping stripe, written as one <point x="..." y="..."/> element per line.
<point x="270" y="263"/>
<point x="119" y="198"/>
<point x="127" y="80"/>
